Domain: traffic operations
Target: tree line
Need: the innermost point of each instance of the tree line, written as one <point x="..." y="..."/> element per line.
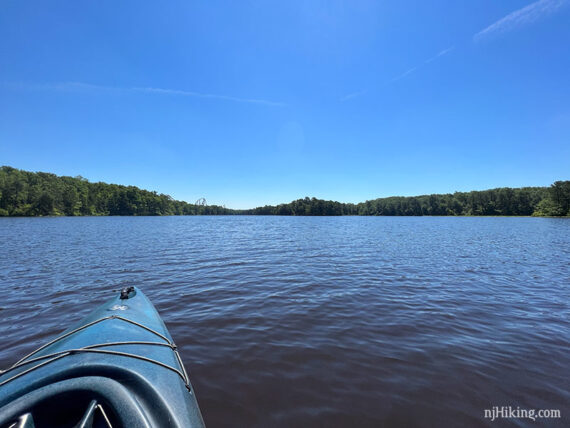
<point x="24" y="193"/>
<point x="505" y="201"/>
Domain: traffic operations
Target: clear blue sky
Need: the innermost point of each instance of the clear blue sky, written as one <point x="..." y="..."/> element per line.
<point x="249" y="103"/>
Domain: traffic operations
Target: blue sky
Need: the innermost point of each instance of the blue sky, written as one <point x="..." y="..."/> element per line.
<point x="249" y="103"/>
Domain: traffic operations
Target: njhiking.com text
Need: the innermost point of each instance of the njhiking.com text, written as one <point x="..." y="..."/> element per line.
<point x="509" y="412"/>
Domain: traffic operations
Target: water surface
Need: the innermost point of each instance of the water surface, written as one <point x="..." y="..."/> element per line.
<point x="318" y="321"/>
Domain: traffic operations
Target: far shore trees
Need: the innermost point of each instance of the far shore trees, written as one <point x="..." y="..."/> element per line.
<point x="24" y="193"/>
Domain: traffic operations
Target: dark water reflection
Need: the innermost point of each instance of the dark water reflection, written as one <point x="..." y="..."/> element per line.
<point x="319" y="321"/>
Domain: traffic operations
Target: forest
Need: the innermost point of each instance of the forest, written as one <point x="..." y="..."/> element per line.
<point x="24" y="193"/>
<point x="505" y="201"/>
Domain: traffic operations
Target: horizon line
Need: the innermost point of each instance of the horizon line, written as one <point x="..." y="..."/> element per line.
<point x="283" y="203"/>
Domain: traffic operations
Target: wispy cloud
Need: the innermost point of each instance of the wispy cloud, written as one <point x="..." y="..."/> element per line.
<point x="525" y="15"/>
<point x="82" y="86"/>
<point x="404" y="74"/>
<point x="353" y="95"/>
<point x="427" y="61"/>
<point x="162" y="91"/>
<point x="440" y="53"/>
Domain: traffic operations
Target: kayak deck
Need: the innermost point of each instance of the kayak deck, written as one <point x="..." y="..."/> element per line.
<point x="118" y="367"/>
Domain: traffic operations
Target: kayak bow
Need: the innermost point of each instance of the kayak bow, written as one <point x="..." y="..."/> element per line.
<point x="117" y="368"/>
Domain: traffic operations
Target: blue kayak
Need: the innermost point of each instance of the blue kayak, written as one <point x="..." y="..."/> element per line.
<point x="117" y="368"/>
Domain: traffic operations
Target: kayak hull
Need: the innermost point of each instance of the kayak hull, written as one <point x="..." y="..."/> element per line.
<point x="120" y="358"/>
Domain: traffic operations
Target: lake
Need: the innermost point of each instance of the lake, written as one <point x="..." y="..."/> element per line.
<point x="318" y="321"/>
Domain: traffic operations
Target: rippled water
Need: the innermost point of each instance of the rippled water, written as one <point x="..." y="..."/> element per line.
<point x="331" y="321"/>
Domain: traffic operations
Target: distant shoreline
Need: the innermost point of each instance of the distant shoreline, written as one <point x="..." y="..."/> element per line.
<point x="292" y="216"/>
<point x="40" y="194"/>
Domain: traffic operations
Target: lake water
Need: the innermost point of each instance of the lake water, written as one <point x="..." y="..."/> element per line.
<point x="318" y="321"/>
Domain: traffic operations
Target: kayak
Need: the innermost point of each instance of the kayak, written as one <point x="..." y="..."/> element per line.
<point x="117" y="368"/>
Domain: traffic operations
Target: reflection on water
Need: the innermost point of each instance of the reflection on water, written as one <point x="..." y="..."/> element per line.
<point x="318" y="321"/>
